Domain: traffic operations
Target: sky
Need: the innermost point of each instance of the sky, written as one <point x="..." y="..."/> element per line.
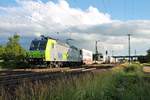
<point x="85" y="21"/>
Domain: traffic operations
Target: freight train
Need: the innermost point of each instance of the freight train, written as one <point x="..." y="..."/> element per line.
<point x="54" y="53"/>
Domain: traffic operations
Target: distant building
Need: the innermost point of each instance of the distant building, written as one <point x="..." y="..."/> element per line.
<point x="98" y="58"/>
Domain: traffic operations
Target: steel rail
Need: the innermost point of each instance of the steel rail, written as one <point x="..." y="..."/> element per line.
<point x="14" y="79"/>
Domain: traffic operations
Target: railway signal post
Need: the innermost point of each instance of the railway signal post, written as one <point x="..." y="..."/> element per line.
<point x="129" y="48"/>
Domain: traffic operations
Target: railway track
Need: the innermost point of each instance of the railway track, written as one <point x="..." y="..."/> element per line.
<point x="19" y="76"/>
<point x="14" y="79"/>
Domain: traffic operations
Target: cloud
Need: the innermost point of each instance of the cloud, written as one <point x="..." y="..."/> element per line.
<point x="33" y="17"/>
<point x="48" y="17"/>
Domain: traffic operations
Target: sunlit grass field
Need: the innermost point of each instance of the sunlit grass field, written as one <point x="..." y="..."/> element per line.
<point x="125" y="82"/>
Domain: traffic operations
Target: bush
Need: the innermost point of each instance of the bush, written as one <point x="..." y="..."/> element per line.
<point x="13" y="50"/>
<point x="131" y="68"/>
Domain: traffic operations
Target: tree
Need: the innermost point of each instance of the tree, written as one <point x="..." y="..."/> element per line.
<point x="1" y="50"/>
<point x="148" y="55"/>
<point x="148" y="52"/>
<point x="13" y="50"/>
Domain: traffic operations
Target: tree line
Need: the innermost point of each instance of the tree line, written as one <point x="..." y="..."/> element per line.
<point x="146" y="58"/>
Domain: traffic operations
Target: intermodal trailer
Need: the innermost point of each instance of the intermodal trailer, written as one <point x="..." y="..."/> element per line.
<point x="87" y="56"/>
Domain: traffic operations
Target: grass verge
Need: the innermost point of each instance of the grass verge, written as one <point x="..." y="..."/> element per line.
<point x="126" y="82"/>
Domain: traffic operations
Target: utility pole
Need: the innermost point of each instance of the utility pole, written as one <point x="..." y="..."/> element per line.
<point x="135" y="52"/>
<point x="112" y="52"/>
<point x="96" y="51"/>
<point x="136" y="58"/>
<point x="129" y="48"/>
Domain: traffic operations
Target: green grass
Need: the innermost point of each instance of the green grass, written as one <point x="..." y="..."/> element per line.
<point x="127" y="83"/>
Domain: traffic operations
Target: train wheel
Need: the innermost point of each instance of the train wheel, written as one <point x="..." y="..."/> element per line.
<point x="49" y="65"/>
<point x="59" y="64"/>
<point x="56" y="65"/>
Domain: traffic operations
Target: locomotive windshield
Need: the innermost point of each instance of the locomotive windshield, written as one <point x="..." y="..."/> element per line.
<point x="38" y="45"/>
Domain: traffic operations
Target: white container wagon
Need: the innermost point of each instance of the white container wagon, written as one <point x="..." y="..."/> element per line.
<point x="87" y="56"/>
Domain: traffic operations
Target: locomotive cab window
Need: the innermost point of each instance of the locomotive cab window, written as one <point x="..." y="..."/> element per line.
<point x="34" y="45"/>
<point x="38" y="45"/>
<point x="42" y="45"/>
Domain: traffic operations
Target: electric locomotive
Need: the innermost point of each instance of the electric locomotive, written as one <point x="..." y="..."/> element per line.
<point x="53" y="53"/>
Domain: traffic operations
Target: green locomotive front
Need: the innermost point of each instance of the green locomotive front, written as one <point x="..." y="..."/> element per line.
<point x="54" y="53"/>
